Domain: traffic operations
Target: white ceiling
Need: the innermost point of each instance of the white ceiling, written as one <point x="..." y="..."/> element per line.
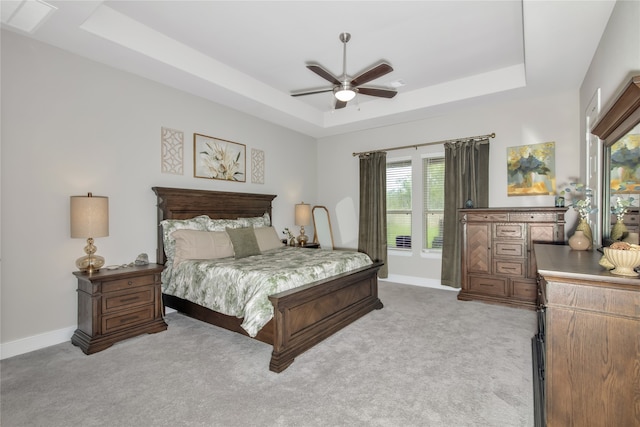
<point x="251" y="55"/>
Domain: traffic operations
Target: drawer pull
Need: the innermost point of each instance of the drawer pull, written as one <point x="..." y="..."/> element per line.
<point x="130" y="283"/>
<point x="136" y="298"/>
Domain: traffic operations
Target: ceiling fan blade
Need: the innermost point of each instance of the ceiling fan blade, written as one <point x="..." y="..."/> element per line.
<point x="374" y="73"/>
<point x="323" y="73"/>
<point x="339" y="104"/>
<point x="383" y="93"/>
<point x="311" y="92"/>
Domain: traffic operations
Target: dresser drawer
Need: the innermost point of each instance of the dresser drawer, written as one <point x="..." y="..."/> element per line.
<point x="525" y="290"/>
<point x="134" y="317"/>
<point x="510" y="231"/>
<point x="514" y="249"/>
<point x="536" y="216"/>
<point x="114" y="301"/>
<point x="487" y="217"/>
<point x="509" y="268"/>
<point x="132" y="282"/>
<point x="488" y="285"/>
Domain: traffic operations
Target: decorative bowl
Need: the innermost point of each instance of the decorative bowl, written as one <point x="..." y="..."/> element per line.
<point x="623" y="260"/>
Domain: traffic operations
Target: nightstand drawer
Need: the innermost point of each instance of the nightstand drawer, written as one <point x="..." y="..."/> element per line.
<point x="488" y="285"/>
<point x="131" y="318"/>
<point x="510" y="268"/>
<point x="132" y="282"/>
<point x="508" y="249"/>
<point x="125" y="299"/>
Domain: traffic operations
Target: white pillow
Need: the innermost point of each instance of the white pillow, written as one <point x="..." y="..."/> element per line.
<point x="256" y="221"/>
<point x="267" y="238"/>
<point x="194" y="244"/>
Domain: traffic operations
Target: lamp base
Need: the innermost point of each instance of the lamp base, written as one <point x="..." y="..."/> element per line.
<point x="302" y="238"/>
<point x="90" y="263"/>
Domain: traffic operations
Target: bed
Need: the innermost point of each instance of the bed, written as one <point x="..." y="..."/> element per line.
<point x="303" y="316"/>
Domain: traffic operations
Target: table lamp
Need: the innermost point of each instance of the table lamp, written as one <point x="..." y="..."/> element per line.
<point x="89" y="219"/>
<point x="303" y="217"/>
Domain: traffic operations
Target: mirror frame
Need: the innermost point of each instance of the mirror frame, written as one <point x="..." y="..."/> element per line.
<point x="315" y="227"/>
<point x="622" y="115"/>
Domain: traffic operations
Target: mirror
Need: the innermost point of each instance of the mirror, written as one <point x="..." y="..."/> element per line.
<point x="619" y="128"/>
<point x="322" y="232"/>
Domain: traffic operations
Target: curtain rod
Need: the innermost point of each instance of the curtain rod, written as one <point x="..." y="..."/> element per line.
<point x="469" y="138"/>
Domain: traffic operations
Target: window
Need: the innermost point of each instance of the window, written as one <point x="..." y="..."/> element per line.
<point x="399" y="204"/>
<point x="433" y="201"/>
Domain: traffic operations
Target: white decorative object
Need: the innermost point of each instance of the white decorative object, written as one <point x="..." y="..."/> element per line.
<point x="624" y="260"/>
<point x="172" y="151"/>
<point x="257" y="166"/>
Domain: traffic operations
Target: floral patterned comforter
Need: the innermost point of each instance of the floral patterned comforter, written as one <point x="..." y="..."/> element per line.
<point x="240" y="287"/>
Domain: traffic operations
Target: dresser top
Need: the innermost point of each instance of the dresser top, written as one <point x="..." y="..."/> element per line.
<point x="560" y="261"/>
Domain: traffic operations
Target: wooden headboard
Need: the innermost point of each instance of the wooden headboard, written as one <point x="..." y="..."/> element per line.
<point x="180" y="203"/>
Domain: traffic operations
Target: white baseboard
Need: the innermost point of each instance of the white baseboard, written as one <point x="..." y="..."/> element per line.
<point x="418" y="281"/>
<point x="35" y="342"/>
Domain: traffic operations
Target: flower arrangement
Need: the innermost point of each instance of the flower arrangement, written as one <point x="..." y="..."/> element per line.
<point x="288" y="233"/>
<point x="621" y="207"/>
<point x="581" y="205"/>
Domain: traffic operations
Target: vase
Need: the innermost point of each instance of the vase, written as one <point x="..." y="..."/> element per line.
<point x="619" y="230"/>
<point x="579" y="242"/>
<point x="584" y="226"/>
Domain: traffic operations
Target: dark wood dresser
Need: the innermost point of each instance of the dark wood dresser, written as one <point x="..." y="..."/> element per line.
<point x="114" y="305"/>
<point x="587" y="350"/>
<point x="497" y="260"/>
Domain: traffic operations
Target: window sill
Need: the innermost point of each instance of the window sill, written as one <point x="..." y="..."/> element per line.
<point x="431" y="254"/>
<point x="399" y="252"/>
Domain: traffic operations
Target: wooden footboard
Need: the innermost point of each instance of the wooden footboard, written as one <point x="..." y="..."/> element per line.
<point x="307" y="315"/>
<point x="303" y="316"/>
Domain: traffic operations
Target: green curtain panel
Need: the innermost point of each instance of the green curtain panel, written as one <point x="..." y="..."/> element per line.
<point x="372" y="235"/>
<point x="466" y="178"/>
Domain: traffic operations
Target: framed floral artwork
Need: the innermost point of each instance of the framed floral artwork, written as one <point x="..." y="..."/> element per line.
<point x="531" y="170"/>
<point x="216" y="158"/>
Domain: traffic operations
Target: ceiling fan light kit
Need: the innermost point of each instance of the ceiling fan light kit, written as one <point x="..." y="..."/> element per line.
<point x="345" y="90"/>
<point x="344" y="94"/>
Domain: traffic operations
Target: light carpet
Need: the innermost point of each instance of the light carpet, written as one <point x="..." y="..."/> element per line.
<point x="425" y="359"/>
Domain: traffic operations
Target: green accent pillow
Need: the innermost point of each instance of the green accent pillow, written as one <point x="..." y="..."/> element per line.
<point x="244" y="242"/>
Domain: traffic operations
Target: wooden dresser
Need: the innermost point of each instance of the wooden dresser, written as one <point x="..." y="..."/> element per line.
<point x="497" y="260"/>
<point x="588" y="364"/>
<point x="114" y="305"/>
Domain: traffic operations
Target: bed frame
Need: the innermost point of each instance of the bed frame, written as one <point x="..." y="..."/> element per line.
<point x="303" y="316"/>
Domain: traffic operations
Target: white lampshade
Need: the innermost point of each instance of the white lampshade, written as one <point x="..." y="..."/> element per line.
<point x="303" y="214"/>
<point x="89" y="219"/>
<point x="89" y="216"/>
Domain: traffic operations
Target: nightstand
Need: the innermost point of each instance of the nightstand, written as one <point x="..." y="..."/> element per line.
<point x="310" y="246"/>
<point x="114" y="305"/>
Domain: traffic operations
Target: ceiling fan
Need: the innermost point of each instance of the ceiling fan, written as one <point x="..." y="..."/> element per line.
<point x="345" y="89"/>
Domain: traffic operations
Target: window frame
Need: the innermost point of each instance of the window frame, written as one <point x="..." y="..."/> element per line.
<point x="423" y="209"/>
<point x="411" y="163"/>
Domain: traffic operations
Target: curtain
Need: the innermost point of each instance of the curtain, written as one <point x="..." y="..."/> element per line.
<point x="466" y="178"/>
<point x="372" y="235"/>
